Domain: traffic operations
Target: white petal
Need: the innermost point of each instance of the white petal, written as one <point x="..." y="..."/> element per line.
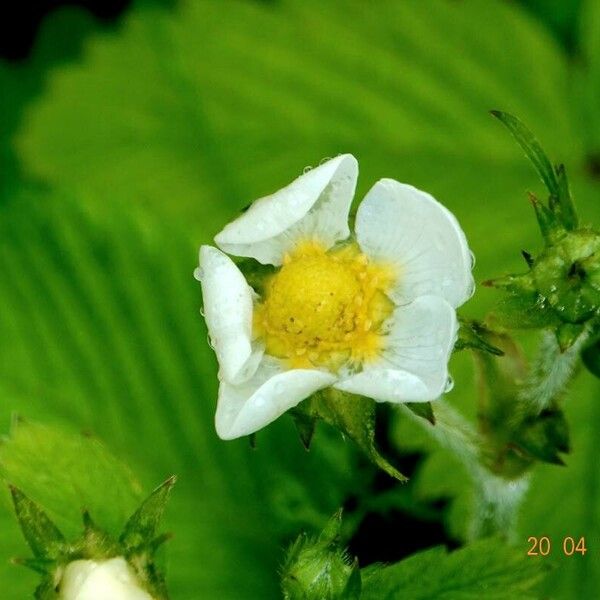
<point x="402" y="225"/>
<point x="246" y="408"/>
<point x="314" y="206"/>
<point x="386" y="385"/>
<point x="413" y="366"/>
<point x="100" y="580"/>
<point x="228" y="314"/>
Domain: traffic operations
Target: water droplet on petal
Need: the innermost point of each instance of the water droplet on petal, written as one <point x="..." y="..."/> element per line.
<point x="306" y="169"/>
<point x="202" y="311"/>
<point x="473" y="260"/>
<point x="449" y="385"/>
<point x="198" y="273"/>
<point x="210" y="341"/>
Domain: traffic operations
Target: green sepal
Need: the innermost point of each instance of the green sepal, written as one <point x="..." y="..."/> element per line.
<point x="567" y="206"/>
<point x="306" y="423"/>
<point x="141" y="528"/>
<point x="423" y="410"/>
<point x="354" y="416"/>
<point x="567" y="334"/>
<point x="555" y="179"/>
<point x="545" y="436"/>
<point x="590" y="354"/>
<point x="548" y="222"/>
<point x="42" y="535"/>
<point x="512" y="283"/>
<point x="255" y="273"/>
<point x="320" y="568"/>
<point x="471" y="334"/>
<point x="526" y="310"/>
<point x="46" y="590"/>
<point x="95" y="542"/>
<point x="39" y="565"/>
<point x="533" y="149"/>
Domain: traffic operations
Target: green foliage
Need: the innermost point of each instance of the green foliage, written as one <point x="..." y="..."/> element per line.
<point x="113" y="343"/>
<point x="486" y="569"/>
<point x="172" y="123"/>
<point x="66" y="474"/>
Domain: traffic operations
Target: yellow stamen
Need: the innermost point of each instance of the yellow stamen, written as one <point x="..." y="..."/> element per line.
<point x="325" y="308"/>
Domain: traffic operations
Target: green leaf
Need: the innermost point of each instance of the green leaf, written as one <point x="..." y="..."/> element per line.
<point x="67" y="472"/>
<point x="590" y="82"/>
<point x="486" y="569"/>
<point x="566" y="502"/>
<point x="79" y="290"/>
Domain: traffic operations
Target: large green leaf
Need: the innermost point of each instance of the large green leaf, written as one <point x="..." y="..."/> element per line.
<point x="565" y="502"/>
<point x="186" y="117"/>
<point x="590" y="43"/>
<point x="100" y="328"/>
<point x="485" y="569"/>
<point x="225" y="101"/>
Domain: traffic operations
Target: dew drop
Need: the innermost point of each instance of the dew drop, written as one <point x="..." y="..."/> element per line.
<point x="210" y="341"/>
<point x="449" y="385"/>
<point x="202" y="311"/>
<point x="307" y="169"/>
<point x="198" y="273"/>
<point x="473" y="259"/>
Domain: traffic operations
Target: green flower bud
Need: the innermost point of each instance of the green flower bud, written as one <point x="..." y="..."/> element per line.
<point x="320" y="569"/>
<point x="96" y="566"/>
<point x="567" y="274"/>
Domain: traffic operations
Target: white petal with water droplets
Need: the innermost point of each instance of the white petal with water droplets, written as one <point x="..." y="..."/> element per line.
<point x="228" y="309"/>
<point x="246" y="408"/>
<point x="413" y="366"/>
<point x="314" y="206"/>
<point x="407" y="228"/>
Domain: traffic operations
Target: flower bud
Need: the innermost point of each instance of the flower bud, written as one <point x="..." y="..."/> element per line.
<point x="319" y="569"/>
<point x="567" y="274"/>
<point x="100" y="580"/>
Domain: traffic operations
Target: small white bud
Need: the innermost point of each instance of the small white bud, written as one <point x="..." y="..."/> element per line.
<point x="100" y="580"/>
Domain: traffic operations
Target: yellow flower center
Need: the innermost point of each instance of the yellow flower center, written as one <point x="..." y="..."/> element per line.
<point x="324" y="308"/>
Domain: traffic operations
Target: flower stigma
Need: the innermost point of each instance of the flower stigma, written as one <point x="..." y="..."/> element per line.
<point x="325" y="308"/>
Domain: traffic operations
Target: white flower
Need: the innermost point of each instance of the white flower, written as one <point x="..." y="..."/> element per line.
<point x="110" y="579"/>
<point x="372" y="314"/>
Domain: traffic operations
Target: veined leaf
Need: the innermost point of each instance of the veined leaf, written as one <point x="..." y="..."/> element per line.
<point x="486" y="569"/>
<point x="100" y="327"/>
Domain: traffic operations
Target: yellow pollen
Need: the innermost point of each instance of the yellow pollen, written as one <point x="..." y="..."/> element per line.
<point x="324" y="308"/>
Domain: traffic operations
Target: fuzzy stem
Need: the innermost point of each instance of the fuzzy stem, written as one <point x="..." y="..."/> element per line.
<point x="496" y="500"/>
<point x="550" y="372"/>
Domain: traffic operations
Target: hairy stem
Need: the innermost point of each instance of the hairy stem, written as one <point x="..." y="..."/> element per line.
<point x="496" y="499"/>
<point x="550" y="372"/>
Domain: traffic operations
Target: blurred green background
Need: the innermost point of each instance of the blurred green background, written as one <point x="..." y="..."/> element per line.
<point x="126" y="144"/>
